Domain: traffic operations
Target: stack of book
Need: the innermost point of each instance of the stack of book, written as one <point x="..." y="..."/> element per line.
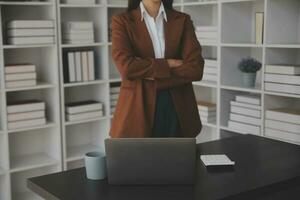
<point x="210" y="72"/>
<point x="207" y="112"/>
<point x="27" y="113"/>
<point x="83" y="110"/>
<point x="79" y="66"/>
<point x="283" y="78"/>
<point x="283" y="123"/>
<point x="20" y="75"/>
<point x="78" y="32"/>
<point x="245" y="114"/>
<point x="25" y="32"/>
<point x="85" y="2"/>
<point x="114" y="95"/>
<point x="207" y="35"/>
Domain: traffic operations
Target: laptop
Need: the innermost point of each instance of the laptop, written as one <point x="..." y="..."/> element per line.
<point x="151" y="161"/>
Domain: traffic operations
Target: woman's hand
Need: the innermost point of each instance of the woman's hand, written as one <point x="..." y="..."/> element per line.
<point x="174" y="62"/>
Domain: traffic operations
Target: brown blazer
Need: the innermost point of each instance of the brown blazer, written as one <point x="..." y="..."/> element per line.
<point x="133" y="54"/>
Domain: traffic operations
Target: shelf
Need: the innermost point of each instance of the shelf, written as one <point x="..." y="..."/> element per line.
<point x="39" y="86"/>
<point x="242" y="89"/>
<point x="96" y="44"/>
<point x="47" y="125"/>
<point x="238" y="20"/>
<point x="81" y="5"/>
<point x="252" y="45"/>
<point x="86" y="121"/>
<point x="78" y="152"/>
<point x="199" y="3"/>
<point x="116" y="6"/>
<point x="291" y="46"/>
<point x="282" y="94"/>
<point x="26" y="162"/>
<point x="283" y="19"/>
<point x="66" y="85"/>
<point x="28" y="46"/>
<point x="22" y="3"/>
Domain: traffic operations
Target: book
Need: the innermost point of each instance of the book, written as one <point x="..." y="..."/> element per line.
<point x="287" y="136"/>
<point x="245" y="111"/>
<point x="284" y="115"/>
<point x="19" y="68"/>
<point x="114" y="90"/>
<point x="85" y="41"/>
<point x="251" y="99"/>
<point x="11" y="117"/>
<point x="20" y="76"/>
<point x="83" y="116"/>
<point x="84" y="66"/>
<point x="284" y="79"/>
<point x="20" y="84"/>
<point x="78" y="25"/>
<point x="208" y="114"/>
<point x="25" y="106"/>
<point x="89" y="2"/>
<point x="206" y="106"/>
<point x="83" y="106"/>
<point x="209" y="120"/>
<point x="113" y="103"/>
<point x="284" y="88"/>
<point x="30" y="24"/>
<point x="207" y="34"/>
<point x="243" y="128"/>
<point x="78" y="36"/>
<point x="211" y="62"/>
<point x="114" y="96"/>
<point x="245" y="119"/>
<point x="210" y="70"/>
<point x="207" y="40"/>
<point x="210" y="77"/>
<point x="259" y="27"/>
<point x="283" y="69"/>
<point x="26" y="123"/>
<point x="283" y="126"/>
<point x="91" y="65"/>
<point x="30" y="40"/>
<point x="78" y="68"/>
<point x="71" y="67"/>
<point x="30" y="32"/>
<point x="206" y="28"/>
<point x="245" y="105"/>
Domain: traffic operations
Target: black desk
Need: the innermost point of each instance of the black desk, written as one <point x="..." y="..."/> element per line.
<point x="265" y="169"/>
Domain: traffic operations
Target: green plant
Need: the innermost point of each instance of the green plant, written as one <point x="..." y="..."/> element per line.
<point x="249" y="65"/>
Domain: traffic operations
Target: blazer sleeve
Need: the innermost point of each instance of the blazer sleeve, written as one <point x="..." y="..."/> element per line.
<point x="129" y="65"/>
<point x="193" y="62"/>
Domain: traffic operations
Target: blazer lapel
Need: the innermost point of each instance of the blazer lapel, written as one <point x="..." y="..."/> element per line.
<point x="141" y="27"/>
<point x="172" y="33"/>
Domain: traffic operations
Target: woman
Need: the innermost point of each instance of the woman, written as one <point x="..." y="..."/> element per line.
<point x="158" y="56"/>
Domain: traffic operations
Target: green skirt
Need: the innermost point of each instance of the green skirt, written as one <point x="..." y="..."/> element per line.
<point x="166" y="123"/>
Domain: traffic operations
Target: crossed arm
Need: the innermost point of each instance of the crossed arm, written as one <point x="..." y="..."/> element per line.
<point x="167" y="73"/>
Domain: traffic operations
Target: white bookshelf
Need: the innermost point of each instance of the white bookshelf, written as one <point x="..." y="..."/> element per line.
<point x="31" y="151"/>
<point x="61" y="145"/>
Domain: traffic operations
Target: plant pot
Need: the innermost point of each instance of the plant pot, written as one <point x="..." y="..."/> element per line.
<point x="249" y="79"/>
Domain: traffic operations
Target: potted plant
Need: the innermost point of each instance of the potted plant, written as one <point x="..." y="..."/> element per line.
<point x="249" y="66"/>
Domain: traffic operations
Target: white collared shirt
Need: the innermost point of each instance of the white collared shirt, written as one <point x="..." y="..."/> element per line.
<point x="155" y="29"/>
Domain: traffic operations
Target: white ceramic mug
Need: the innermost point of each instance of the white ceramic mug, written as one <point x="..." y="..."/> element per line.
<point x="95" y="164"/>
